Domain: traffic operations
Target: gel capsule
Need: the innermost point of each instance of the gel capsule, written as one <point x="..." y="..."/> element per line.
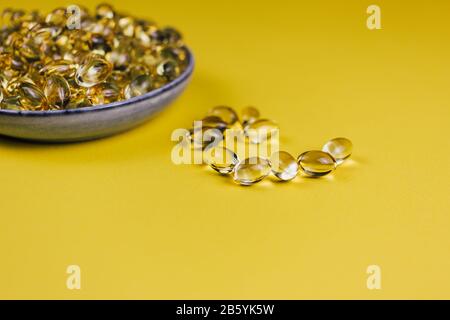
<point x="316" y="163"/>
<point x="261" y="130"/>
<point x="139" y="86"/>
<point x="31" y="96"/>
<point x="61" y="67"/>
<point x="284" y="165"/>
<point x="221" y="159"/>
<point x="94" y="70"/>
<point x="249" y="115"/>
<point x="251" y="171"/>
<point x="103" y="93"/>
<point x="205" y="137"/>
<point x="339" y="148"/>
<point x="57" y="91"/>
<point x="227" y="114"/>
<point x="168" y="70"/>
<point x="11" y="103"/>
<point x="214" y="122"/>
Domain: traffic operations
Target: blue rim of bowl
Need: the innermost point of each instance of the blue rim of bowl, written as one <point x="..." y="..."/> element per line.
<point x="183" y="77"/>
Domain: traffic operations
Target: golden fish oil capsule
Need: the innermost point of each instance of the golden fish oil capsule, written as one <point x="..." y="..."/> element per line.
<point x="61" y="67"/>
<point x="139" y="86"/>
<point x="316" y="163"/>
<point x="57" y="91"/>
<point x="1" y="95"/>
<point x="227" y="114"/>
<point x="221" y="159"/>
<point x="104" y="11"/>
<point x="249" y="115"/>
<point x="284" y="165"/>
<point x="103" y="93"/>
<point x="214" y="122"/>
<point x="57" y="17"/>
<point x="94" y="70"/>
<point x="261" y="130"/>
<point x="168" y="70"/>
<point x="31" y="96"/>
<point x="339" y="148"/>
<point x="202" y="138"/>
<point x="11" y="103"/>
<point x="78" y="99"/>
<point x="251" y="171"/>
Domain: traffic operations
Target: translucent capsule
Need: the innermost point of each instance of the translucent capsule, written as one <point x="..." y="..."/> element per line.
<point x="61" y="67"/>
<point x="127" y="26"/>
<point x="57" y="17"/>
<point x="57" y="91"/>
<point x="121" y="59"/>
<point x="30" y="50"/>
<point x="104" y="11"/>
<point x="249" y="115"/>
<point x="221" y="159"/>
<point x="32" y="97"/>
<point x="339" y="148"/>
<point x="214" y="122"/>
<point x="168" y="70"/>
<point x="172" y="36"/>
<point x="284" y="165"/>
<point x="1" y="95"/>
<point x="316" y="163"/>
<point x="78" y="99"/>
<point x="202" y="138"/>
<point x="139" y="86"/>
<point x="251" y="171"/>
<point x="94" y="70"/>
<point x="103" y="93"/>
<point x="227" y="114"/>
<point x="11" y="103"/>
<point x="261" y="130"/>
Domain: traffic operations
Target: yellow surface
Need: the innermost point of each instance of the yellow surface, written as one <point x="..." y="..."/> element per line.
<point x="141" y="227"/>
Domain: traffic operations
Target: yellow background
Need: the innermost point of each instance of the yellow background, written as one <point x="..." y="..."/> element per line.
<point x="141" y="227"/>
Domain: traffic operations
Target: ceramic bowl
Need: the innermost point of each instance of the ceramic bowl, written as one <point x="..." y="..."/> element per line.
<point x="92" y="122"/>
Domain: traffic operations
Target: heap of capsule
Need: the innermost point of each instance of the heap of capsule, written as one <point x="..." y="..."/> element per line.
<point x="70" y="59"/>
<point x="253" y="129"/>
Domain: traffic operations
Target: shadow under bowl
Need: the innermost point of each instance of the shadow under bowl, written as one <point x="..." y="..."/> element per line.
<point x="92" y="122"/>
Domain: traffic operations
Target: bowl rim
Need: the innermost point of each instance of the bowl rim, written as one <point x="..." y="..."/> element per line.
<point x="185" y="75"/>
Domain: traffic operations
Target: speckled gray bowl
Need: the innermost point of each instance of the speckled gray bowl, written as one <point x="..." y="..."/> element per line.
<point x="93" y="122"/>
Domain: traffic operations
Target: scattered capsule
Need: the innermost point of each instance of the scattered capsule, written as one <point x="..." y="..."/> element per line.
<point x="221" y="159"/>
<point x="251" y="171"/>
<point x="227" y="114"/>
<point x="316" y="163"/>
<point x="261" y="130"/>
<point x="249" y="115"/>
<point x="94" y="71"/>
<point x="339" y="148"/>
<point x="103" y="93"/>
<point x="57" y="91"/>
<point x="204" y="137"/>
<point x="139" y="86"/>
<point x="284" y="165"/>
<point x="214" y="122"/>
<point x="1" y="95"/>
<point x="31" y="96"/>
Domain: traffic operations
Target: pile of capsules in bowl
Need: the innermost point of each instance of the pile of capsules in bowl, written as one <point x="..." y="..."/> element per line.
<point x="252" y="169"/>
<point x="71" y="59"/>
